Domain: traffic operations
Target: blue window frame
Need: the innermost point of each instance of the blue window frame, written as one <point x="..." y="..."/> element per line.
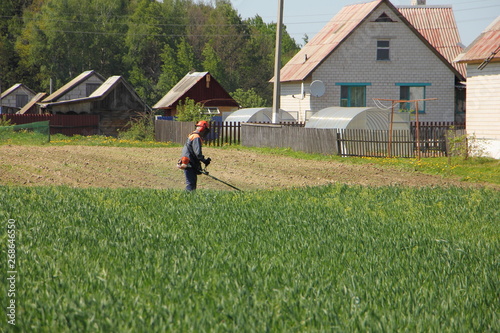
<point x="352" y="94"/>
<point x="412" y="91"/>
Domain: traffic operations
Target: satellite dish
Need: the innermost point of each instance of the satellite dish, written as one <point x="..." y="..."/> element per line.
<point x="317" y="88"/>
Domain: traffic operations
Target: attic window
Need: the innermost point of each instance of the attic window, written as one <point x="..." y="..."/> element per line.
<point x="384" y="18"/>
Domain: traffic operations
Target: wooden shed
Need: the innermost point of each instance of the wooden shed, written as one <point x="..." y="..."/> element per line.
<point x="201" y="87"/>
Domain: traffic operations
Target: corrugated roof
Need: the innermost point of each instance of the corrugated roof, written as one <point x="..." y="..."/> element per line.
<point x="70" y="85"/>
<point x="186" y="83"/>
<point x="437" y="24"/>
<point x="484" y="45"/>
<point x="321" y="45"/>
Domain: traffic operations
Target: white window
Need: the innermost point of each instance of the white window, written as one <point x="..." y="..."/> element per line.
<point x="211" y="110"/>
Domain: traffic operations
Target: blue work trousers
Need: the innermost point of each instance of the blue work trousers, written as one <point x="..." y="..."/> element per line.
<point x="191" y="178"/>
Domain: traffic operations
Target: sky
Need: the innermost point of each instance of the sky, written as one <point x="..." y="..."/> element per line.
<point x="309" y="16"/>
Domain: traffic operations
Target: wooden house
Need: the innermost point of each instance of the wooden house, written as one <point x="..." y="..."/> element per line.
<point x="201" y="87"/>
<point x="114" y="100"/>
<point x="482" y="58"/>
<point x="15" y="98"/>
<point x="374" y="50"/>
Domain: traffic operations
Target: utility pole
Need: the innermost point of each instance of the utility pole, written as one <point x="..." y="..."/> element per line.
<point x="277" y="65"/>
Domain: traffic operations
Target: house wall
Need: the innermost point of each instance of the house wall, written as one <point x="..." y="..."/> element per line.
<point x="80" y="90"/>
<point x="296" y="96"/>
<point x="411" y="61"/>
<point x="78" y="108"/>
<point x="10" y="100"/>
<point x="483" y="105"/>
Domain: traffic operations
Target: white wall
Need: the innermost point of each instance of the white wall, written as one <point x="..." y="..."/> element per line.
<point x="483" y="105"/>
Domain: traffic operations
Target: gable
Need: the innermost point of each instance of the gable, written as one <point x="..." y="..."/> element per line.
<point x="76" y="88"/>
<point x="384" y="18"/>
<point x="17" y="88"/>
<point x="378" y="50"/>
<point x="200" y="87"/>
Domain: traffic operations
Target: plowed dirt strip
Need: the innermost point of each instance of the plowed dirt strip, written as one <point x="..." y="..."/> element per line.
<point x="84" y="166"/>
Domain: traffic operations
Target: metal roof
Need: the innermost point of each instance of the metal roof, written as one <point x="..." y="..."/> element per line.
<point x="71" y="84"/>
<point x="321" y="45"/>
<point x="38" y="97"/>
<point x="186" y="83"/>
<point x="484" y="45"/>
<point x="437" y="24"/>
<point x="99" y="94"/>
<point x="14" y="88"/>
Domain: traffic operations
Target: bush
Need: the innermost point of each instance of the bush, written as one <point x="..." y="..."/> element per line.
<point x="189" y="110"/>
<point x="140" y="128"/>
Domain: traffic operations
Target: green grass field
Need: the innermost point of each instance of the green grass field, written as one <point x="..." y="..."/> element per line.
<point x="326" y="259"/>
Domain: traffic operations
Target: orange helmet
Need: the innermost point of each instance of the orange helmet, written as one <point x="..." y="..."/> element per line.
<point x="203" y="124"/>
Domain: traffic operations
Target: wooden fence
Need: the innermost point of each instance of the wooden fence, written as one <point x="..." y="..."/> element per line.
<point x="309" y="140"/>
<point x="63" y="124"/>
<point x="221" y="134"/>
<point x="353" y="142"/>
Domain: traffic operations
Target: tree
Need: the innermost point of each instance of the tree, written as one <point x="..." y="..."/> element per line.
<point x="145" y="39"/>
<point x="153" y="44"/>
<point x="190" y="111"/>
<point x="248" y="98"/>
<point x="170" y="73"/>
<point x="227" y="35"/>
<point x="186" y="60"/>
<point x="212" y="63"/>
<point x="66" y="37"/>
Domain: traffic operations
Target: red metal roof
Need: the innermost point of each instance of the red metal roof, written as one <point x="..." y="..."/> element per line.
<point x="321" y="45"/>
<point x="437" y="24"/>
<point x="484" y="45"/>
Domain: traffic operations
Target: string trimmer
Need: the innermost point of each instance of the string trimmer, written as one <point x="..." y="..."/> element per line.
<point x="205" y="172"/>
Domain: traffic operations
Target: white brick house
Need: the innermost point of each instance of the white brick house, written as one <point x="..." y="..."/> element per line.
<point x="372" y="50"/>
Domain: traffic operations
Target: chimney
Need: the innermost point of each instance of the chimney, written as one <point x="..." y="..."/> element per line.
<point x="418" y="2"/>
